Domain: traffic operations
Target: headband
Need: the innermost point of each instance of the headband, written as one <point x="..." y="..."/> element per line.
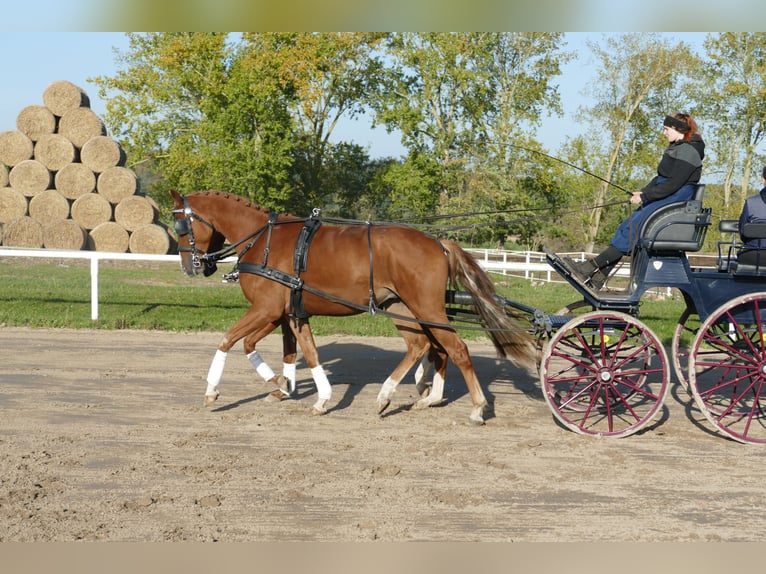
<point x="675" y="123"/>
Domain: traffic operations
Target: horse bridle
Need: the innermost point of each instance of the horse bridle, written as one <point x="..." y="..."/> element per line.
<point x="184" y="227"/>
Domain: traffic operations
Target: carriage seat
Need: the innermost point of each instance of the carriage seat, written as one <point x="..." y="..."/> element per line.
<point x="679" y="226"/>
<point x="750" y="230"/>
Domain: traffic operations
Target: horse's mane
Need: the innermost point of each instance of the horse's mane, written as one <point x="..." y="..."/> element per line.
<point x="246" y="203"/>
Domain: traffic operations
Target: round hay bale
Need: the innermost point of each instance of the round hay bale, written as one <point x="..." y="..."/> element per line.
<point x="48" y="206"/>
<point x="102" y="152"/>
<point x="134" y="211"/>
<point x="54" y="151"/>
<point x="35" y="122"/>
<point x="23" y="232"/>
<point x="75" y="180"/>
<point x="3" y="175"/>
<point x="15" y="147"/>
<point x="64" y="234"/>
<point x="117" y="183"/>
<point x="13" y="204"/>
<point x="81" y="124"/>
<point x="91" y="210"/>
<point x="30" y="177"/>
<point x="62" y="95"/>
<point x="150" y="238"/>
<point x="109" y="236"/>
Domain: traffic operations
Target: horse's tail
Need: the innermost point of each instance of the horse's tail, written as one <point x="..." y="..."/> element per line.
<point x="510" y="338"/>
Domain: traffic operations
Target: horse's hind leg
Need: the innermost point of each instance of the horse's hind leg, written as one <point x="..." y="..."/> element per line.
<point x="417" y="344"/>
<point x="457" y="350"/>
<point x="435" y="396"/>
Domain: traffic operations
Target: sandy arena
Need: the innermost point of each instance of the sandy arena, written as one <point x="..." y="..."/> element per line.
<point x="103" y="436"/>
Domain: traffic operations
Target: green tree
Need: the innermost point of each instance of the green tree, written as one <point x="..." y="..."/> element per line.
<point x="732" y="91"/>
<point x="329" y="76"/>
<point x="189" y="106"/>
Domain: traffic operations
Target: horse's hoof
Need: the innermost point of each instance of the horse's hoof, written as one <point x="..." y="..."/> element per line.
<point x="383" y="405"/>
<point x="319" y="407"/>
<point x="476" y="422"/>
<point x="424" y="403"/>
<point x="275" y="396"/>
<point x="423" y="390"/>
<point x="283" y="385"/>
<point x="210" y="399"/>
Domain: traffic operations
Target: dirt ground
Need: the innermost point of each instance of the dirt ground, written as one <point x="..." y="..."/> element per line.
<point x="103" y="436"/>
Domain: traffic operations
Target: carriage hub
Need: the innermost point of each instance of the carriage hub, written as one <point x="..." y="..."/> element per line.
<point x="605" y="376"/>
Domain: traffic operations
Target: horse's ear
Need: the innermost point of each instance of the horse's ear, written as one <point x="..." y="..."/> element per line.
<point x="177" y="199"/>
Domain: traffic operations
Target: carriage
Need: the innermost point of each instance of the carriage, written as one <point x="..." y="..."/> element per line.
<point x="603" y="371"/>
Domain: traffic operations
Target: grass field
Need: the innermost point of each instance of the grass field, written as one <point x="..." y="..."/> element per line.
<point x="153" y="295"/>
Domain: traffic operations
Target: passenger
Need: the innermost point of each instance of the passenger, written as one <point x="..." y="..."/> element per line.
<point x="754" y="211"/>
<point x="679" y="170"/>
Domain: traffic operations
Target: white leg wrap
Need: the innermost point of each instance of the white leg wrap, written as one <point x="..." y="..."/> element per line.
<point x="215" y="372"/>
<point x="288" y="370"/>
<point x="323" y="385"/>
<point x="260" y="366"/>
<point x="388" y="388"/>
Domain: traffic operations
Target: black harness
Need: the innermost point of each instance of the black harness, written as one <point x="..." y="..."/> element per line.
<point x="300" y="257"/>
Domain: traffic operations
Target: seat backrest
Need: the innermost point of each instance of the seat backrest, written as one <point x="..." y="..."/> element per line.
<point x="679" y="226"/>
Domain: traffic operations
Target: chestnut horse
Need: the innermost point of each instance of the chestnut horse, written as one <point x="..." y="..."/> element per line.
<point x="347" y="269"/>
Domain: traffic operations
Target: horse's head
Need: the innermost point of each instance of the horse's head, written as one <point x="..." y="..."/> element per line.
<point x="196" y="236"/>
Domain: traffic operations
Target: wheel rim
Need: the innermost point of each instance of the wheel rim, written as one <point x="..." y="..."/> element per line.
<point x="727" y="368"/>
<point x="605" y="374"/>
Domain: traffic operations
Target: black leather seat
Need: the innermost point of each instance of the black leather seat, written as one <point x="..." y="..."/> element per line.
<point x="679" y="226"/>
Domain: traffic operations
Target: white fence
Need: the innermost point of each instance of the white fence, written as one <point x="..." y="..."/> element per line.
<point x="526" y="264"/>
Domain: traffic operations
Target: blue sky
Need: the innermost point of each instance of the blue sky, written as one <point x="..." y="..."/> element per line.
<point x="32" y="61"/>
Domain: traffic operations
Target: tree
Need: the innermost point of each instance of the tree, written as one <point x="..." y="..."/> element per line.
<point x="459" y="100"/>
<point x="190" y="106"/>
<point x="329" y="76"/>
<point x="732" y="90"/>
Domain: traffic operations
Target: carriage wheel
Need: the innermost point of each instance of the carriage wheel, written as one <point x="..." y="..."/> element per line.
<point x="605" y="374"/>
<point x="686" y="329"/>
<point x="727" y="368"/>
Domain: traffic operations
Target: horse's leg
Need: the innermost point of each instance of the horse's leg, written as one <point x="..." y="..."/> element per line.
<point x="251" y="322"/>
<point x="435" y="396"/>
<point x="285" y="382"/>
<point x="457" y="350"/>
<point x="305" y="338"/>
<point x="417" y="344"/>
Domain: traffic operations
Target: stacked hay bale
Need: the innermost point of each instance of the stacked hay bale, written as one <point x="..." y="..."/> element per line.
<point x="64" y="183"/>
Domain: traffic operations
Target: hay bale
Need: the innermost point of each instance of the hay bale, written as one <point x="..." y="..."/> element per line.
<point x="81" y="124"/>
<point x="109" y="236"/>
<point x="54" y="151"/>
<point x="62" y="96"/>
<point x="23" y="232"/>
<point x="30" y="177"/>
<point x="15" y="147"/>
<point x="102" y="152"/>
<point x="75" y="180"/>
<point x="150" y="238"/>
<point x="3" y="175"/>
<point x="48" y="206"/>
<point x="134" y="211"/>
<point x="91" y="210"/>
<point x="13" y="204"/>
<point x="64" y="234"/>
<point x="117" y="183"/>
<point x="36" y="121"/>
